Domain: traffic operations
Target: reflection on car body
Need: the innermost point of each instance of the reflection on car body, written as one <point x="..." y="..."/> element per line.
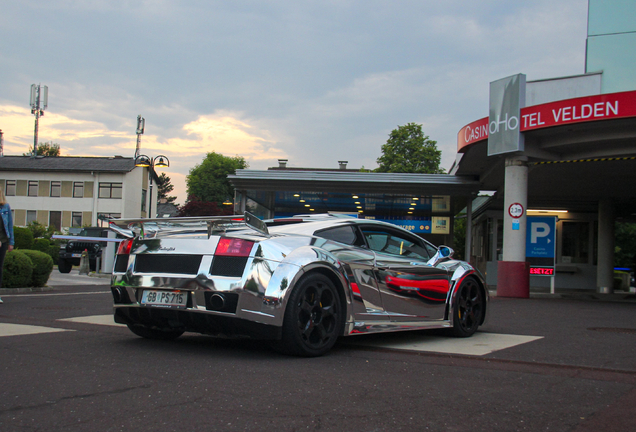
<point x="301" y="282"/>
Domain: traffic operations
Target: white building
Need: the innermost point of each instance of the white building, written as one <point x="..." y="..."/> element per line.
<point x="75" y="191"/>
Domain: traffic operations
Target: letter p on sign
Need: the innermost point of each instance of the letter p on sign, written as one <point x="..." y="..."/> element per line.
<point x="538" y="229"/>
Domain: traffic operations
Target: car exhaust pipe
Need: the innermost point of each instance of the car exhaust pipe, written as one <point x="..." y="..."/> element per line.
<point x="118" y="296"/>
<point x="217" y="302"/>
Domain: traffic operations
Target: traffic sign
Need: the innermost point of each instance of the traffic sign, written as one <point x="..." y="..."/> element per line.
<point x="515" y="210"/>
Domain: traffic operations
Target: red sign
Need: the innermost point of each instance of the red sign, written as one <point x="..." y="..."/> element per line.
<point x="515" y="210"/>
<point x="542" y="271"/>
<point x="585" y="109"/>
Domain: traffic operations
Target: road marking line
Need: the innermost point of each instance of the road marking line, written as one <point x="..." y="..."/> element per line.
<point x="94" y="319"/>
<point x="21" y="329"/>
<point x="478" y="345"/>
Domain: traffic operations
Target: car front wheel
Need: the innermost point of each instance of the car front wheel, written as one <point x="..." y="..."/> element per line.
<point x="313" y="318"/>
<point x="155" y="333"/>
<point x="64" y="266"/>
<point x="469" y="309"/>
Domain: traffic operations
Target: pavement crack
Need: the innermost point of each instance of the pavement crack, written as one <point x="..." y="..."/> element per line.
<point x="73" y="397"/>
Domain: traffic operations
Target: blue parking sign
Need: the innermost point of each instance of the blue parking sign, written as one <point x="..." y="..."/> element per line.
<point x="541" y="240"/>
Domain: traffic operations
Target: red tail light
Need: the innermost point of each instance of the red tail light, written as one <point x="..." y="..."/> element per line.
<point x="234" y="247"/>
<point x="124" y="247"/>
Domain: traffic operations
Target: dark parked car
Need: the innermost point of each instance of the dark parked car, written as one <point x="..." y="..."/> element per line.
<point x="301" y="282"/>
<point x="71" y="252"/>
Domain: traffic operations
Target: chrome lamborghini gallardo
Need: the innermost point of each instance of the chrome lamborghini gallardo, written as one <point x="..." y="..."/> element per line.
<point x="301" y="282"/>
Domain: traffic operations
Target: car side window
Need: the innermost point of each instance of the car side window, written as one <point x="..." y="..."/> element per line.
<point x="390" y="242"/>
<point x="342" y="234"/>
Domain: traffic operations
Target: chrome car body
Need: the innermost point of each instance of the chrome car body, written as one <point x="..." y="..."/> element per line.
<point x="301" y="282"/>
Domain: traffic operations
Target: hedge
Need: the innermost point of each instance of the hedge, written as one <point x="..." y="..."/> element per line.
<point x="18" y="270"/>
<point x="23" y="238"/>
<point x="41" y="244"/>
<point x="42" y="267"/>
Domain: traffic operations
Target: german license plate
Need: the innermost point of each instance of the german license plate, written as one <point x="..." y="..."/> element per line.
<point x="165" y="298"/>
<point x="76" y="255"/>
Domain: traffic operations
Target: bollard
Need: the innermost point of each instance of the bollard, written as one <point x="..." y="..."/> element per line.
<point x="84" y="266"/>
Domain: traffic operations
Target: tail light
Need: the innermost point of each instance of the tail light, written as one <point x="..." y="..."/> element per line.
<point x="124" y="247"/>
<point x="234" y="247"/>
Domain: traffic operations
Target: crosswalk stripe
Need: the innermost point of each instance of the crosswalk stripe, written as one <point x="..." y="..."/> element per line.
<point x="94" y="319"/>
<point x="21" y="329"/>
<point x="479" y="344"/>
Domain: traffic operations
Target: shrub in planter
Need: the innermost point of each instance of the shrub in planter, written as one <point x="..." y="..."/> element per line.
<point x="17" y="270"/>
<point x="23" y="238"/>
<point x="41" y="244"/>
<point x="42" y="267"/>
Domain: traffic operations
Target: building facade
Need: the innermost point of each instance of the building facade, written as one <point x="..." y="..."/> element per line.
<point x="570" y="176"/>
<point x="71" y="192"/>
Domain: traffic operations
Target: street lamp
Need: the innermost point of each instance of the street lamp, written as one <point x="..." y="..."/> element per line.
<point x="144" y="161"/>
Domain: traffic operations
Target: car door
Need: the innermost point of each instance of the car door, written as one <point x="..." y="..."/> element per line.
<point x="359" y="264"/>
<point x="410" y="288"/>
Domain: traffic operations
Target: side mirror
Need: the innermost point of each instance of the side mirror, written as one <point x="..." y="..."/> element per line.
<point x="446" y="252"/>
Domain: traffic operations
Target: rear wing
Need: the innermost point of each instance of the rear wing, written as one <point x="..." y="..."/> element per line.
<point x="146" y="228"/>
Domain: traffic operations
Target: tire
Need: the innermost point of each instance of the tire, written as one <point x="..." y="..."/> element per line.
<point x="469" y="308"/>
<point x="64" y="266"/>
<point x="313" y="318"/>
<point x="154" y="333"/>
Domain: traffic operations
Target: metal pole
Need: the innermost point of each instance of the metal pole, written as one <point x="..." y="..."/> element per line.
<point x="150" y="171"/>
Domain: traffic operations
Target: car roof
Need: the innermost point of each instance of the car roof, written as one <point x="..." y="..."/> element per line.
<point x="303" y="225"/>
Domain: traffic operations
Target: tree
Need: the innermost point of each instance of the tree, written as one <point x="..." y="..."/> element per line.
<point x="625" y="246"/>
<point x="408" y="150"/>
<point x="164" y="187"/>
<point x="194" y="207"/>
<point x="208" y="180"/>
<point x="45" y="149"/>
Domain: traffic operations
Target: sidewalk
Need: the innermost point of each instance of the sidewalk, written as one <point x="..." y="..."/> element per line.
<point x="573" y="294"/>
<point x="58" y="279"/>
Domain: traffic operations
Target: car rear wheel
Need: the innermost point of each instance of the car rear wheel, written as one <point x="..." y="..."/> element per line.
<point x="469" y="309"/>
<point x="64" y="266"/>
<point x="155" y="333"/>
<point x="313" y="318"/>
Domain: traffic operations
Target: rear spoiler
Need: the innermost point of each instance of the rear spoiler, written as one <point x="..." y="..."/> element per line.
<point x="149" y="227"/>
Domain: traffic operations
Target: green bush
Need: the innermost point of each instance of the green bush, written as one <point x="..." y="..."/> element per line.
<point x="17" y="270"/>
<point x="37" y="229"/>
<point x="23" y="238"/>
<point x="41" y="244"/>
<point x="54" y="251"/>
<point x="42" y="267"/>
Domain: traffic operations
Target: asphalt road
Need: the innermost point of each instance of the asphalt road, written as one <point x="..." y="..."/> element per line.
<point x="537" y="365"/>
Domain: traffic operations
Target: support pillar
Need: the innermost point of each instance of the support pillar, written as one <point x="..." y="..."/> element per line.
<point x="605" y="258"/>
<point x="513" y="276"/>
<point x="469" y="229"/>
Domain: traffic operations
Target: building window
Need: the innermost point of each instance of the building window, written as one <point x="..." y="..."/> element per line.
<point x="33" y="188"/>
<point x="143" y="200"/>
<point x="31" y="216"/>
<point x="102" y="218"/>
<point x="77" y="220"/>
<point x="110" y="190"/>
<point x="56" y="188"/>
<point x="576" y="244"/>
<point x="10" y="188"/>
<point x="78" y="189"/>
<point x="55" y="219"/>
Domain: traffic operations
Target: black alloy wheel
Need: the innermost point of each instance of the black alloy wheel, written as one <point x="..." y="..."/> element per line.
<point x="313" y="318"/>
<point x="155" y="333"/>
<point x="469" y="308"/>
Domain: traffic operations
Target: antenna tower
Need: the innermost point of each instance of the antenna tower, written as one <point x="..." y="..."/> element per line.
<point x="141" y="123"/>
<point x="39" y="102"/>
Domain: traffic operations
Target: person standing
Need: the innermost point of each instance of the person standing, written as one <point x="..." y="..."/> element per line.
<point x="6" y="231"/>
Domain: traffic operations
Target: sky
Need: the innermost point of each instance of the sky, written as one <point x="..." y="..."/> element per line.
<point x="314" y="82"/>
